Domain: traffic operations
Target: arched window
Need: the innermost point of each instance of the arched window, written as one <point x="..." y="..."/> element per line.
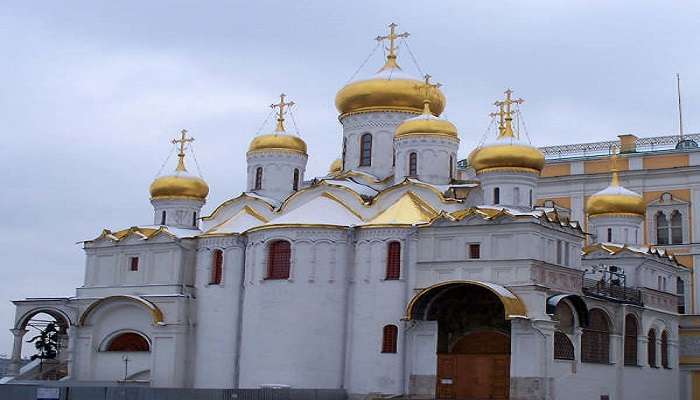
<point x="162" y="218"/>
<point x="128" y="341"/>
<point x="651" y="347"/>
<point x="609" y="234"/>
<point x="496" y="196"/>
<point x="366" y="150"/>
<point x="664" y="349"/>
<point x="258" y="178"/>
<point x="295" y="179"/>
<point x="530" y="203"/>
<point x="595" y="341"/>
<point x="676" y="227"/>
<point x="563" y="347"/>
<point x="389" y="338"/>
<point x="631" y="333"/>
<point x="278" y="260"/>
<point x="661" y="228"/>
<point x="217" y="267"/>
<point x="393" y="261"/>
<point x="413" y="164"/>
<point x="516" y="196"/>
<point x="194" y="218"/>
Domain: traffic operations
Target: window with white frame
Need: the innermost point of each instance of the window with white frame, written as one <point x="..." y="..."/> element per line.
<point x="667" y="220"/>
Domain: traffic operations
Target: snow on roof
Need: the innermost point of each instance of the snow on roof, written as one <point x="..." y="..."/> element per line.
<point x="146" y="232"/>
<point x="273" y="202"/>
<point x="616" y="248"/>
<point x="617" y="191"/>
<point x="245" y="219"/>
<point x="322" y="210"/>
<point x="359" y="188"/>
<point x="491" y="212"/>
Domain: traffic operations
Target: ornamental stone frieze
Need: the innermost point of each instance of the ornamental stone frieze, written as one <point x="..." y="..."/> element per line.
<point x="558" y="278"/>
<point x="220" y="242"/>
<point x="374" y="120"/>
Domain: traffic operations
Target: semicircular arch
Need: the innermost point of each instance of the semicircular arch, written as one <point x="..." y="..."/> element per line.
<point x="154" y="311"/>
<point x="420" y="303"/>
<point x="61" y="317"/>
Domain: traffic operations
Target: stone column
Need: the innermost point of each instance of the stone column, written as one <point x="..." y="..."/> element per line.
<point x="16" y="359"/>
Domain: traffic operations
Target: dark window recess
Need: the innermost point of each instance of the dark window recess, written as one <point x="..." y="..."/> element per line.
<point x="609" y="234"/>
<point x="134" y="264"/>
<point x="631" y="332"/>
<point x="278" y="260"/>
<point x="563" y="348"/>
<point x="194" y="219"/>
<point x="474" y="251"/>
<point x="295" y="180"/>
<point x="595" y="340"/>
<point x="651" y="347"/>
<point x="661" y="229"/>
<point x="366" y="150"/>
<point x="664" y="349"/>
<point x="496" y="196"/>
<point x="413" y="164"/>
<point x="129" y="342"/>
<point x="162" y="218"/>
<point x="258" y="178"/>
<point x="389" y="337"/>
<point x="393" y="261"/>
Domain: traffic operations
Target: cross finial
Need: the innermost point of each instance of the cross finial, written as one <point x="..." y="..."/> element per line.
<point x="281" y="111"/>
<point x="505" y="114"/>
<point x="182" y="142"/>
<point x="391" y="37"/>
<point x="614" y="180"/>
<point x="426" y="88"/>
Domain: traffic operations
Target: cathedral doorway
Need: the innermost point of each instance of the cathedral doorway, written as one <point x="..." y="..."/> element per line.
<point x="473" y="337"/>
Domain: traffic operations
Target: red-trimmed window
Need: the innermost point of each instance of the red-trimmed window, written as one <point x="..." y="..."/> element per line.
<point x="366" y="150"/>
<point x="389" y="337"/>
<point x="393" y="261"/>
<point x="651" y="347"/>
<point x="133" y="264"/>
<point x="664" y="349"/>
<point x="278" y="260"/>
<point x="128" y="341"/>
<point x="217" y="267"/>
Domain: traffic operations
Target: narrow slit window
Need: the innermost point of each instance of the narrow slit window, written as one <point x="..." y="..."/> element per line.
<point x="162" y="218"/>
<point x="393" y="261"/>
<point x="496" y="196"/>
<point x="217" y="268"/>
<point x="413" y="164"/>
<point x="258" y="178"/>
<point x="366" y="150"/>
<point x="295" y="180"/>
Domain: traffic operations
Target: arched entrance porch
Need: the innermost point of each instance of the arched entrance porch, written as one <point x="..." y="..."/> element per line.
<point x="472" y="337"/>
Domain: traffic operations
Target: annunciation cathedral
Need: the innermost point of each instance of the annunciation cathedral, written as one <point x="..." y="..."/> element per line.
<point x="563" y="272"/>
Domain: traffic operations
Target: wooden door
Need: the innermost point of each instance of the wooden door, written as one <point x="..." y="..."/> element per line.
<point x="483" y="373"/>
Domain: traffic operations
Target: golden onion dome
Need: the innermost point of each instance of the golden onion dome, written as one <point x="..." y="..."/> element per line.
<point x="615" y="199"/>
<point x="336" y="166"/>
<point x="278" y="141"/>
<point x="426" y="124"/>
<point x="390" y="89"/>
<point x="179" y="185"/>
<point x="507" y="155"/>
<point x="508" y="152"/>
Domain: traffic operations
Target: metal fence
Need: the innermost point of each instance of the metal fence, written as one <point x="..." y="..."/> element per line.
<point x="29" y="392"/>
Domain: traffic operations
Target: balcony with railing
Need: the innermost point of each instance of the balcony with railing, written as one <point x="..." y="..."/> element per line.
<point x="611" y="290"/>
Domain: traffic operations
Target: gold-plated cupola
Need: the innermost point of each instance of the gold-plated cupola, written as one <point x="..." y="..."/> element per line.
<point x="615" y="199"/>
<point x="390" y="89"/>
<point x="508" y="151"/>
<point x="426" y="124"/>
<point x="279" y="139"/>
<point x="180" y="184"/>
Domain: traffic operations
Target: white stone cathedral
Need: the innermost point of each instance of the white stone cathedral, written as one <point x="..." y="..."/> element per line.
<point x="401" y="271"/>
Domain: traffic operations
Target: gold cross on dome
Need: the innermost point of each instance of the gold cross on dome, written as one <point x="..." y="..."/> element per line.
<point x="391" y="37"/>
<point x="182" y="142"/>
<point x="281" y="111"/>
<point x="505" y="114"/>
<point x="426" y="89"/>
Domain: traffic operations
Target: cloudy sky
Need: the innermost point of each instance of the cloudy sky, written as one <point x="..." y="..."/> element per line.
<point x="92" y="91"/>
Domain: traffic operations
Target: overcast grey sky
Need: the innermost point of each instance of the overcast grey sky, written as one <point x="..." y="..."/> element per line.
<point x="93" y="90"/>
